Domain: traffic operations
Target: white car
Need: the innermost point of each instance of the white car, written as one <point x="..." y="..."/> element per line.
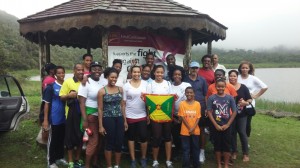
<point x="13" y="103"/>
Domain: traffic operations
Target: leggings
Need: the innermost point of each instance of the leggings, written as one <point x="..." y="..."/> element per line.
<point x="114" y="127"/>
<point x="137" y="129"/>
<point x="159" y="131"/>
<point x="239" y="126"/>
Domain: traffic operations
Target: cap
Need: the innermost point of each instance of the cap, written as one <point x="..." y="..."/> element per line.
<point x="194" y="64"/>
<point x="49" y="66"/>
<point x="96" y="63"/>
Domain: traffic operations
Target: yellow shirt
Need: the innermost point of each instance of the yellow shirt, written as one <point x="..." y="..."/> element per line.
<point x="190" y="112"/>
<point x="68" y="85"/>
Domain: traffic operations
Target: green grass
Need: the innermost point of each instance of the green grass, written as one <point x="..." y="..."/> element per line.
<point x="278" y="106"/>
<point x="274" y="142"/>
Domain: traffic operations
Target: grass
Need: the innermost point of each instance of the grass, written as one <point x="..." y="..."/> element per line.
<point x="274" y="142"/>
<point x="278" y="106"/>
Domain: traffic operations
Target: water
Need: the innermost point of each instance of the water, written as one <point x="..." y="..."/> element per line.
<point x="283" y="83"/>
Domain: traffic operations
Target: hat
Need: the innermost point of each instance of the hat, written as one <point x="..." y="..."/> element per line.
<point x="49" y="66"/>
<point x="96" y="63"/>
<point x="194" y="64"/>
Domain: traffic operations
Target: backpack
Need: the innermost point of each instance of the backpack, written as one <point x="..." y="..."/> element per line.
<point x="42" y="112"/>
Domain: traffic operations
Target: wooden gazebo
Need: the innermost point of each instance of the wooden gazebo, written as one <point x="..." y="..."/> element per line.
<point x="86" y="24"/>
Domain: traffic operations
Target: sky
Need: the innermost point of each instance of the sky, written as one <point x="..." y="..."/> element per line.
<point x="255" y="24"/>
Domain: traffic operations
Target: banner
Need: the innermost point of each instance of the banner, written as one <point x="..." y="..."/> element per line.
<point x="160" y="107"/>
<point x="132" y="46"/>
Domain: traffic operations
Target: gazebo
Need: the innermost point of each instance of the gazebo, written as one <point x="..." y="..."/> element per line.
<point x="87" y="24"/>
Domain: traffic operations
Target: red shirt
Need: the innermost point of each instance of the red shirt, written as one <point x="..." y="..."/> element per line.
<point x="208" y="75"/>
<point x="47" y="80"/>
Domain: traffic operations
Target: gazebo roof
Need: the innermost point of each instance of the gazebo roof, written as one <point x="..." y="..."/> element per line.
<point x="80" y="22"/>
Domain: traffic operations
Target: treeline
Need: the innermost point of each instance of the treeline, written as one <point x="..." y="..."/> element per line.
<point x="17" y="53"/>
<point x="276" y="55"/>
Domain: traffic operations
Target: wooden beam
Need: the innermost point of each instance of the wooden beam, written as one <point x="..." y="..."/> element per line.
<point x="41" y="56"/>
<point x="104" y="47"/>
<point x="188" y="46"/>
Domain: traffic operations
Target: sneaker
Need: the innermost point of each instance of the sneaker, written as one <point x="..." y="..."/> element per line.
<point x="155" y="164"/>
<point x="116" y="166"/>
<point x="62" y="162"/>
<point x="202" y="157"/>
<point x="71" y="165"/>
<point x="206" y="130"/>
<point x="78" y="164"/>
<point x="169" y="164"/>
<point x="144" y="163"/>
<point x="53" y="166"/>
<point x="133" y="164"/>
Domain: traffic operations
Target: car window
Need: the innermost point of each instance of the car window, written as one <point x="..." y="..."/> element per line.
<point x="8" y="87"/>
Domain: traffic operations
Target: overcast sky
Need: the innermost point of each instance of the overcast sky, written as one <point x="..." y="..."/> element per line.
<point x="251" y="24"/>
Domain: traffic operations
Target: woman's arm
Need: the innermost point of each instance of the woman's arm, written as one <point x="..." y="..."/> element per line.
<point x="261" y="92"/>
<point x="123" y="105"/>
<point x="100" y="111"/>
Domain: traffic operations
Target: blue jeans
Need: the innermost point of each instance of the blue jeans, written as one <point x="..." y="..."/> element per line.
<point x="190" y="143"/>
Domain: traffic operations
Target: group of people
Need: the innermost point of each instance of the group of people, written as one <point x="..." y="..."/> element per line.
<point x="98" y="104"/>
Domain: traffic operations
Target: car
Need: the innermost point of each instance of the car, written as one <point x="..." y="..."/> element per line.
<point x="13" y="103"/>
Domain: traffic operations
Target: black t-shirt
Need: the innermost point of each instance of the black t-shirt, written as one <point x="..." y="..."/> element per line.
<point x="243" y="92"/>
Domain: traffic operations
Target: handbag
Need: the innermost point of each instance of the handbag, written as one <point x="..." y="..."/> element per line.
<point x="250" y="111"/>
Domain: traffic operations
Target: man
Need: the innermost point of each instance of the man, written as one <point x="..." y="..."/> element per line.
<point x="206" y="71"/>
<point x="73" y="135"/>
<point x="216" y="64"/>
<point x="171" y="65"/>
<point x="200" y="87"/>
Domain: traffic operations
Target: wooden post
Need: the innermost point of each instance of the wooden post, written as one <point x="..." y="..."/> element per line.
<point x="48" y="57"/>
<point x="41" y="55"/>
<point x="104" y="44"/>
<point x="188" y="46"/>
<point x="209" y="47"/>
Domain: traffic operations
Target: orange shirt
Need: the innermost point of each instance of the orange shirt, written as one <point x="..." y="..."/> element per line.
<point x="190" y="112"/>
<point x="230" y="90"/>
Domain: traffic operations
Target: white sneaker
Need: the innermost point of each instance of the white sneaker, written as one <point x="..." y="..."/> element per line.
<point x="201" y="157"/>
<point x="62" y="162"/>
<point x="53" y="166"/>
<point x="169" y="164"/>
<point x="155" y="164"/>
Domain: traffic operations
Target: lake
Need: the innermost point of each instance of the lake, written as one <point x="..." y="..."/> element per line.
<point x="283" y="83"/>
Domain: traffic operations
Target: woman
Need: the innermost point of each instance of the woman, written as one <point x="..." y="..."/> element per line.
<point x="206" y="71"/>
<point x="112" y="120"/>
<point x="254" y="84"/>
<point x="239" y="125"/>
<point x="87" y="60"/>
<point x="89" y="111"/>
<point x="150" y="62"/>
<point x="136" y="114"/>
<point x="146" y="70"/>
<point x="178" y="88"/>
<point x="160" y="86"/>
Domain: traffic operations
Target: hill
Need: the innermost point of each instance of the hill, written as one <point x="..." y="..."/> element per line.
<point x="17" y="53"/>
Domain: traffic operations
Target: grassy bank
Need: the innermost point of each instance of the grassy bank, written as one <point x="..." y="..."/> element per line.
<point x="278" y="106"/>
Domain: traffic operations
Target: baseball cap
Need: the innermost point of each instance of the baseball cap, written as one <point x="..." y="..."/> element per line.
<point x="96" y="63"/>
<point x="194" y="64"/>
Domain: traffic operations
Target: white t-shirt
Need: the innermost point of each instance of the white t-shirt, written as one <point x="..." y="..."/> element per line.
<point x="90" y="92"/>
<point x="159" y="88"/>
<point x="180" y="92"/>
<point x="254" y="84"/>
<point x="135" y="106"/>
<point x="120" y="81"/>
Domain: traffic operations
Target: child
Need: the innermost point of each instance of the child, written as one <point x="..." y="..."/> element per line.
<point x="190" y="113"/>
<point x="218" y="108"/>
